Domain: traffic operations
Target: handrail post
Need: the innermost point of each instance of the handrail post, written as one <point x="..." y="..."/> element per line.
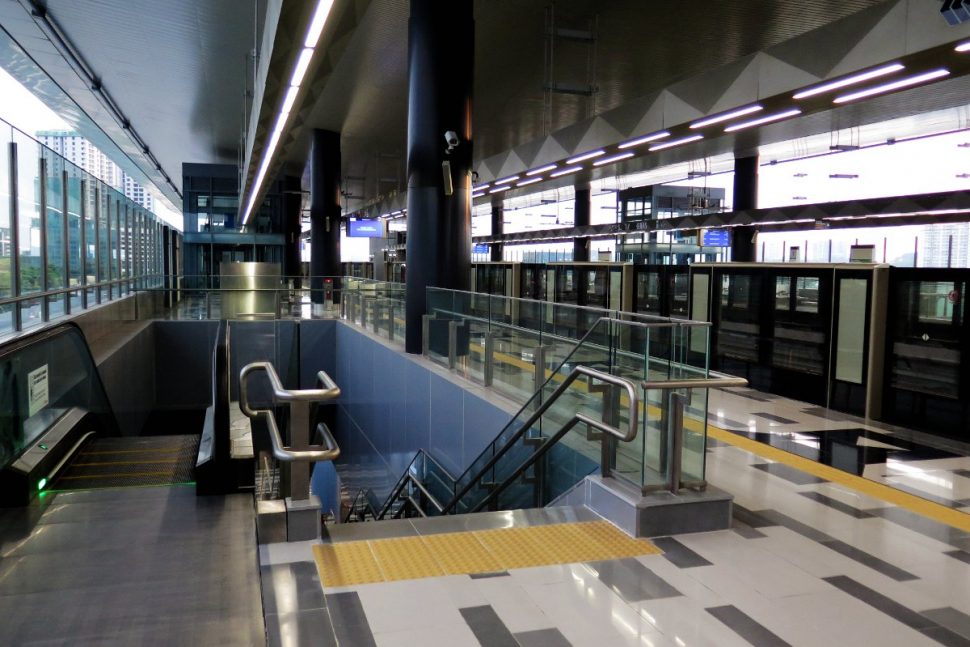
<point x="453" y="327"/>
<point x="375" y="324"/>
<point x="489" y="368"/>
<point x="390" y="322"/>
<point x="426" y="334"/>
<point x="675" y="421"/>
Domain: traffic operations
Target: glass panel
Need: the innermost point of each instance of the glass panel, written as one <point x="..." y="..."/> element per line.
<point x="56" y="268"/>
<point x="75" y="258"/>
<point x="782" y="293"/>
<point x="104" y="266"/>
<point x="6" y="250"/>
<point x="91" y="207"/>
<point x="806" y="295"/>
<point x="28" y="211"/>
<point x="852" y="330"/>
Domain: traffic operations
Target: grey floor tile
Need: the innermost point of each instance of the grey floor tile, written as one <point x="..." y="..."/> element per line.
<point x="879" y="601"/>
<point x="484" y="576"/>
<point x="310" y="628"/>
<point x="952" y="619"/>
<point x="749" y="395"/>
<point x="779" y="419"/>
<point x="726" y="423"/>
<point x="780" y="519"/>
<point x="288" y="588"/>
<point x="873" y="562"/>
<point x="790" y="474"/>
<point x="488" y="627"/>
<point x="925" y="526"/>
<point x="679" y="554"/>
<point x="746" y="531"/>
<point x="944" y="636"/>
<point x="835" y="504"/>
<point x="349" y="621"/>
<point x="633" y="581"/>
<point x="746" y="626"/>
<point x="829" y="414"/>
<point x="750" y="518"/>
<point x="542" y="638"/>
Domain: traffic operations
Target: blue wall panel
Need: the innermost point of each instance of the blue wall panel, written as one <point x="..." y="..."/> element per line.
<point x="446" y="424"/>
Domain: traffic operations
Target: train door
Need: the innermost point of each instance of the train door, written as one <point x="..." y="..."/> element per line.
<point x="738" y="345"/>
<point x="927" y="342"/>
<point x="800" y="324"/>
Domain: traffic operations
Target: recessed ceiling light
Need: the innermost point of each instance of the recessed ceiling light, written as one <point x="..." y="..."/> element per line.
<point x="643" y="140"/>
<point x="895" y="85"/>
<point x="586" y="156"/>
<point x="778" y="116"/>
<point x="727" y="116"/>
<point x="849" y="80"/>
<point x="542" y="169"/>
<point x="676" y="142"/>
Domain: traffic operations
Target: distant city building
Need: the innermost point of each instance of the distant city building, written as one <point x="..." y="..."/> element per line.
<point x="82" y="153"/>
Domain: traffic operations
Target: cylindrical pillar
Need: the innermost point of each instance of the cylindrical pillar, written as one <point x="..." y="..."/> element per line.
<point x="498" y="228"/>
<point x="324" y="212"/>
<point x="441" y="47"/>
<point x="581" y="214"/>
<point x="292" y="202"/>
<point x="743" y="239"/>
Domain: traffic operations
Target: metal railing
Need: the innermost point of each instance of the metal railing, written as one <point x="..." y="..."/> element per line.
<point x="301" y="452"/>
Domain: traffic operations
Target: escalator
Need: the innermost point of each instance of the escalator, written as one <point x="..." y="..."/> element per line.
<point x="58" y="431"/>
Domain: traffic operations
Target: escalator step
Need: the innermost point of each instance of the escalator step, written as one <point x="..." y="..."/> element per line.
<point x="131" y="462"/>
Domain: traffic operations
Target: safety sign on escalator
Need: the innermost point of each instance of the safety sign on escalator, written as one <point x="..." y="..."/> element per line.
<point x="38" y="390"/>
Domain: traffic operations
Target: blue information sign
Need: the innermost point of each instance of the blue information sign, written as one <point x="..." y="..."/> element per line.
<point x="715" y="237"/>
<point x="480" y="249"/>
<point x="366" y="229"/>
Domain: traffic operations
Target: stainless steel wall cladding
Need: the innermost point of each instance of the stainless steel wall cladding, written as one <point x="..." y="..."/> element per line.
<point x="250" y="290"/>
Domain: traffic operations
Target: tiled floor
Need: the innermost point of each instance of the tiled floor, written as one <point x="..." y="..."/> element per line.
<point x="809" y="561"/>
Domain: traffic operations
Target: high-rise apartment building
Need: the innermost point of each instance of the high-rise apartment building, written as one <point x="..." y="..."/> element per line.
<point x="83" y="153"/>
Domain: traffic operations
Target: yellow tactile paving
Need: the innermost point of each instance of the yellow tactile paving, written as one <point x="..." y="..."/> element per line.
<point x="347" y="563"/>
<point x="461" y="552"/>
<point x="405" y="558"/>
<point x="481" y="551"/>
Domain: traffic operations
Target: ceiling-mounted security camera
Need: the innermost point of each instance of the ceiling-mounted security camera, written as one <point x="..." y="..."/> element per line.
<point x="451" y="138"/>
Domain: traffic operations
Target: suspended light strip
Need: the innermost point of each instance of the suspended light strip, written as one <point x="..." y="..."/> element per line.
<point x="527" y="182"/>
<point x="586" y="156"/>
<point x="480" y="187"/>
<point x="566" y="171"/>
<point x="676" y="142"/>
<point x="542" y="169"/>
<point x="895" y="85"/>
<point x="778" y="116"/>
<point x="317" y="23"/>
<point x="506" y="180"/>
<point x="726" y="116"/>
<point x="499" y="189"/>
<point x="612" y="158"/>
<point x="643" y="140"/>
<point x="963" y="47"/>
<point x="849" y="80"/>
<point x="478" y="195"/>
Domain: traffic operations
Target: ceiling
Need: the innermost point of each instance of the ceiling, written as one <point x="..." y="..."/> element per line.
<point x="177" y="70"/>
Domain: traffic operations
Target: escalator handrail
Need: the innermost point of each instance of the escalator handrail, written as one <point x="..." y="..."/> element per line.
<point x="633" y="412"/>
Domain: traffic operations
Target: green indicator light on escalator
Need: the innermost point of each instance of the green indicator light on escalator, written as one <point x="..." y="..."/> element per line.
<point x="42" y="446"/>
<point x="41" y="484"/>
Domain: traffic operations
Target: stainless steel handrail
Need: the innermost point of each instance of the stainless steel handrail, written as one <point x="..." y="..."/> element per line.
<point x="330" y="449"/>
<point x="695" y="383"/>
<point x="281" y="394"/>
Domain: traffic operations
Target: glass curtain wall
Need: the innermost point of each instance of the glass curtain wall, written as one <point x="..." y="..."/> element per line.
<point x="68" y="241"/>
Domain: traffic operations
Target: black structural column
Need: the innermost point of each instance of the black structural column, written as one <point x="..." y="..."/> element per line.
<point x="745" y="197"/>
<point x="498" y="228"/>
<point x="581" y="211"/>
<point x="292" y="201"/>
<point x="324" y="212"/>
<point x="441" y="47"/>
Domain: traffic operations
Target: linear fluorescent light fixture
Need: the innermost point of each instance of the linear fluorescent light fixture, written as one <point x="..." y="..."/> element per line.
<point x="849" y="80"/>
<point x="506" y="180"/>
<point x="542" y="169"/>
<point x="676" y="142"/>
<point x="480" y="187"/>
<point x="586" y="156"/>
<point x="727" y="116"/>
<point x="478" y="194"/>
<point x="962" y="47"/>
<point x="612" y="158"/>
<point x="767" y="119"/>
<point x="566" y="171"/>
<point x="319" y="19"/>
<point x="527" y="182"/>
<point x="317" y="23"/>
<point x="895" y="85"/>
<point x="302" y="63"/>
<point x="499" y="189"/>
<point x="643" y="140"/>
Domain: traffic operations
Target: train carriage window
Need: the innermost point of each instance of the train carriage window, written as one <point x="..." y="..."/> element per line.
<point x="938" y="301"/>
<point x="806" y="294"/>
<point x="783" y="293"/>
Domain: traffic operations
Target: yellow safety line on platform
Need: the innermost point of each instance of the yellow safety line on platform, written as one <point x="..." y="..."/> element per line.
<point x="887" y="493"/>
<point x="480" y="551"/>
